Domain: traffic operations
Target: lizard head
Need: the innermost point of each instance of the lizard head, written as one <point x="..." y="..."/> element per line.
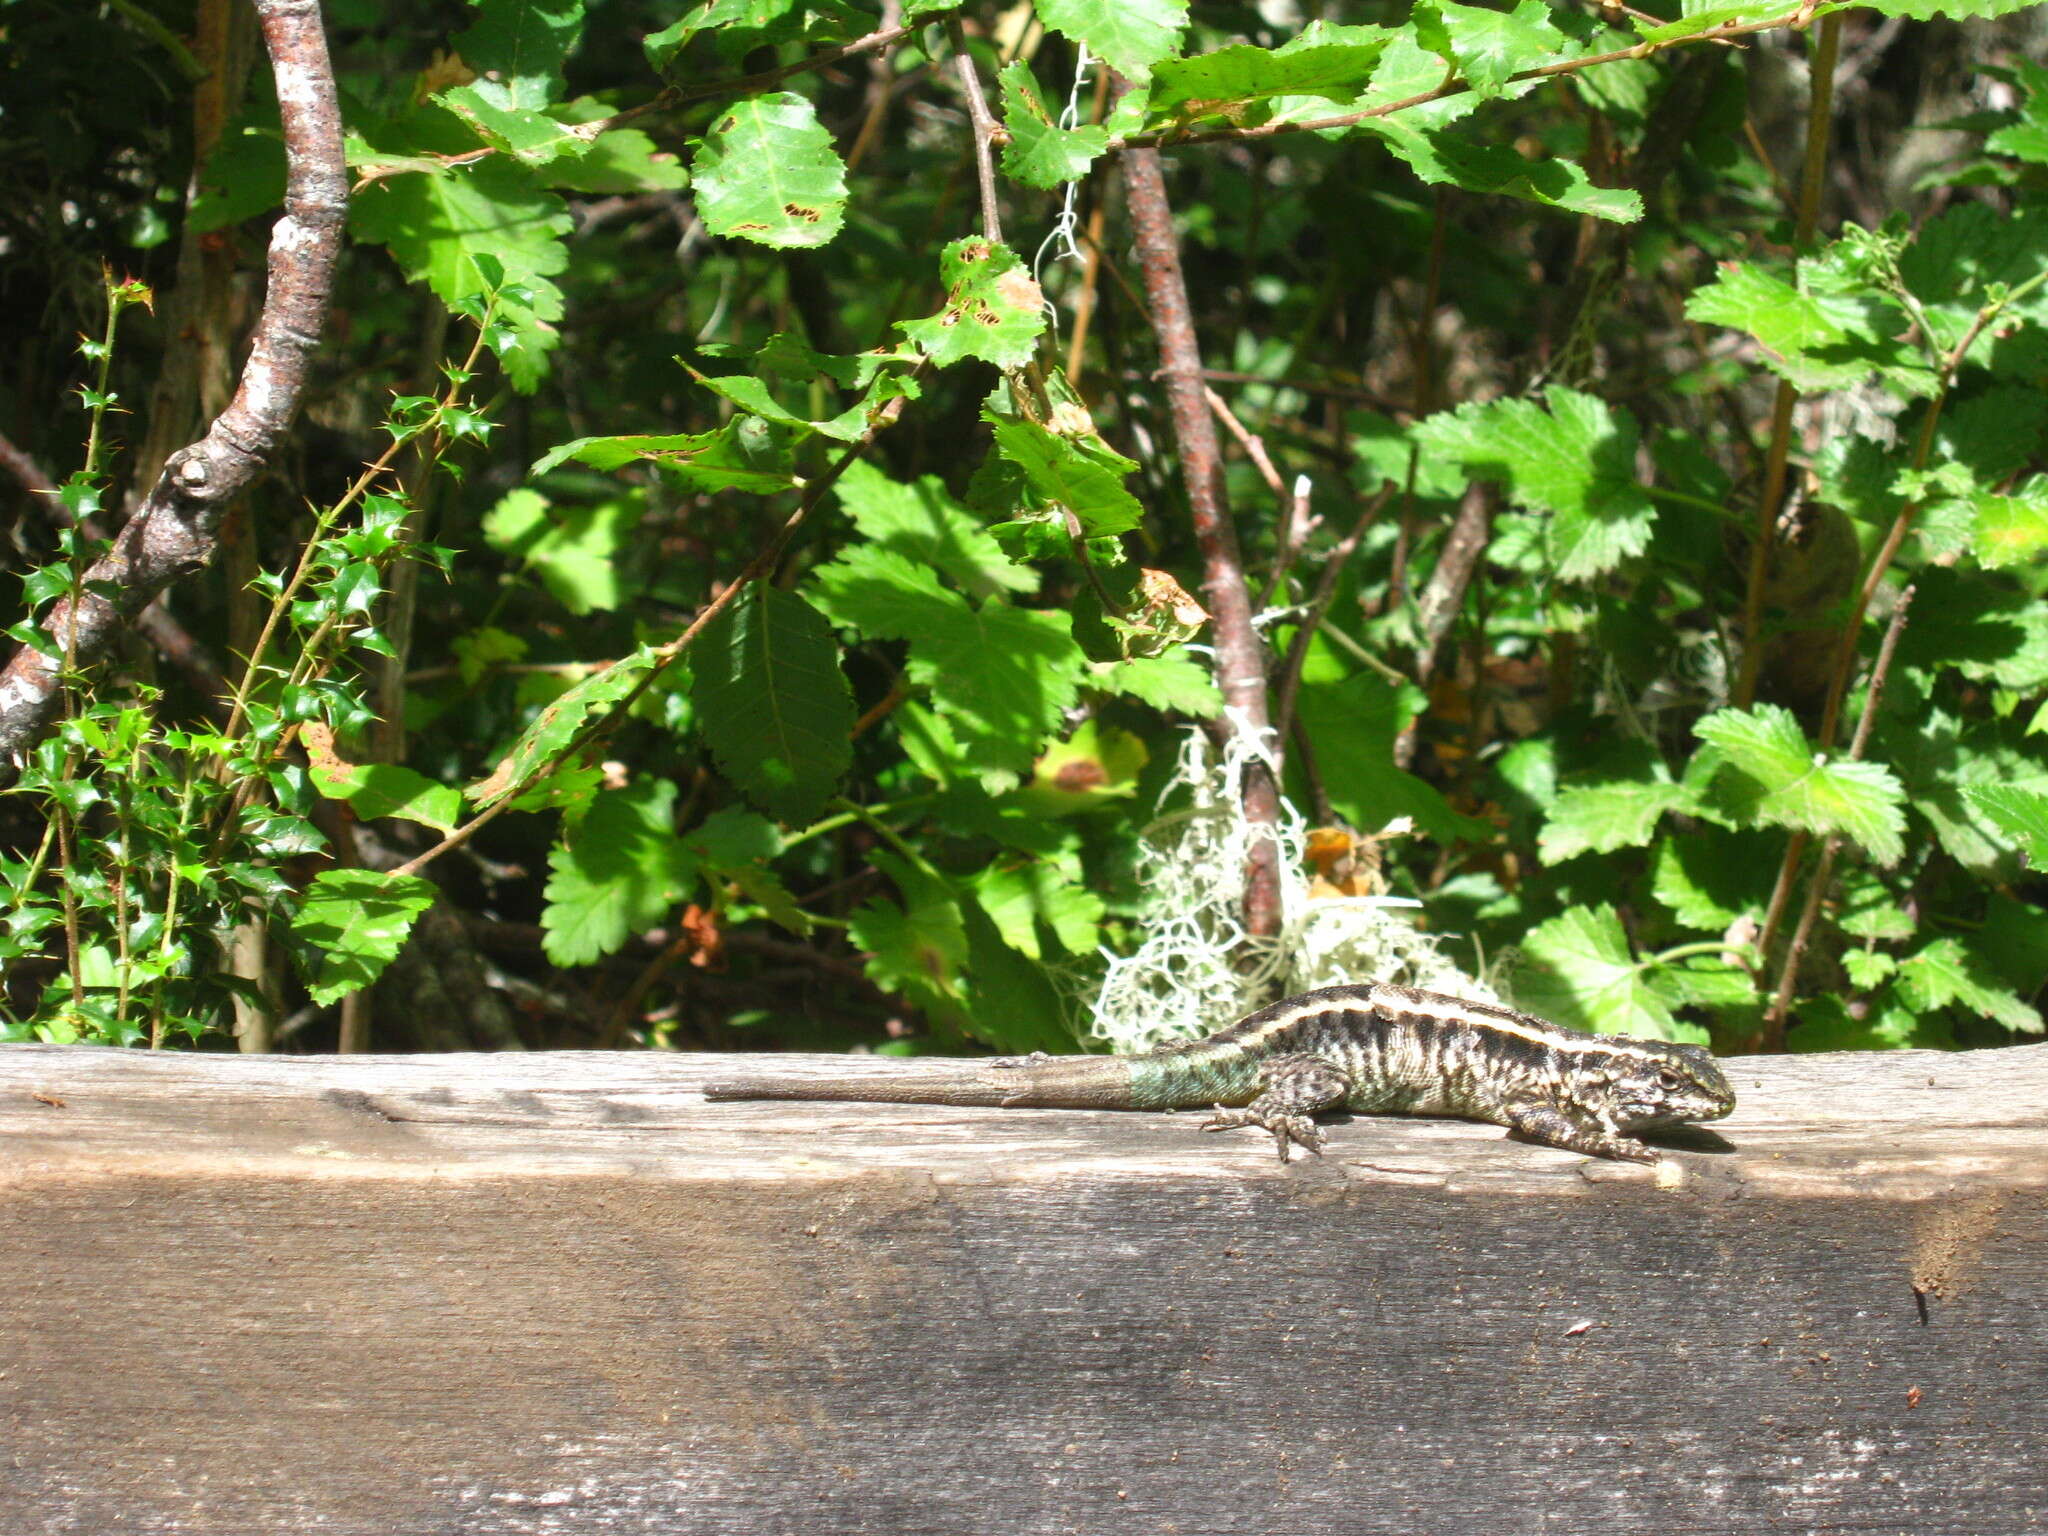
<point x="1657" y="1083"/>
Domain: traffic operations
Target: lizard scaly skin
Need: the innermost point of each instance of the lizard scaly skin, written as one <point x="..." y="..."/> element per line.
<point x="1376" y="1049"/>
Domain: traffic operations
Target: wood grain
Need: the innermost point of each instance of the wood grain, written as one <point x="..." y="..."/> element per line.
<point x="560" y="1293"/>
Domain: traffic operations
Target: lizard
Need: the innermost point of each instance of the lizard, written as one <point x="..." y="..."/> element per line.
<point x="1374" y="1048"/>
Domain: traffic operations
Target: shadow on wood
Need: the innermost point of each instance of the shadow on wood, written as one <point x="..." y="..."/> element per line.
<point x="522" y="1293"/>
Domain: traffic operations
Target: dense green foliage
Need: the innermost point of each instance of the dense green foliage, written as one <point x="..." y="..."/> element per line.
<point x="617" y="314"/>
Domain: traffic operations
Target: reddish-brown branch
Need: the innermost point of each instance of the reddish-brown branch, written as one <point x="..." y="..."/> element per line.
<point x="1240" y="655"/>
<point x="986" y="132"/>
<point x="174" y="531"/>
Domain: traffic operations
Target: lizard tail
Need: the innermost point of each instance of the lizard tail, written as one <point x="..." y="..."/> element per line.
<point x="1082" y="1082"/>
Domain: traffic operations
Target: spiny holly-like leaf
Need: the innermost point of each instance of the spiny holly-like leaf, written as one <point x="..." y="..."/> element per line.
<point x="921" y="522"/>
<point x="767" y="172"/>
<point x="1082" y="475"/>
<point x="1599" y="818"/>
<point x="574" y="550"/>
<point x="2021" y="812"/>
<point x="1577" y="970"/>
<point x="994" y="310"/>
<point x="1041" y="153"/>
<point x="1945" y="972"/>
<point x="618" y="869"/>
<point x="1132" y="35"/>
<point x="556" y="725"/>
<point x="1772" y="775"/>
<point x="1488" y="46"/>
<point x="772" y="702"/>
<point x="356" y="921"/>
<point x="746" y="454"/>
<point x="1575" y="461"/>
<point x="441" y="223"/>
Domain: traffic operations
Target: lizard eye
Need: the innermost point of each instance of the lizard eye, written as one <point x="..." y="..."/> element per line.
<point x="1669" y="1080"/>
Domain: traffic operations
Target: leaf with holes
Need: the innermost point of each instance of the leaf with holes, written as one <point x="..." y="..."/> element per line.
<point x="767" y="172"/>
<point x="994" y="310"/>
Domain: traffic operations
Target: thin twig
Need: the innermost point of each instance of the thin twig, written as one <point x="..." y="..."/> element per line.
<point x="1788" y="974"/>
<point x="1289" y="683"/>
<point x="1240" y="654"/>
<point x="986" y="131"/>
<point x="1294" y="523"/>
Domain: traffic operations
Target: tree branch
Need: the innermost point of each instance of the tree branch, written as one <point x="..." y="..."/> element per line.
<point x="1240" y="655"/>
<point x="174" y="531"/>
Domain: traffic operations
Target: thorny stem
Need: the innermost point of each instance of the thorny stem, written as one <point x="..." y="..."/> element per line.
<point x="1819" y="111"/>
<point x="1240" y="655"/>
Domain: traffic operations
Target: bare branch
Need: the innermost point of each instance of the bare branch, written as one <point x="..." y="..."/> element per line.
<point x="174" y="531"/>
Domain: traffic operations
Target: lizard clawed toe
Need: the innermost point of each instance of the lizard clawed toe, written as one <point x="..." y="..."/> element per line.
<point x="1284" y="1129"/>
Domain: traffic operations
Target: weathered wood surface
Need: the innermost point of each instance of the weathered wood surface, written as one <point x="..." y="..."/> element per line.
<point x="522" y="1293"/>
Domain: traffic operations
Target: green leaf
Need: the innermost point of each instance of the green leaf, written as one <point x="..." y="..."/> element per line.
<point x="617" y="870"/>
<point x="532" y="137"/>
<point x="1787" y="323"/>
<point x="1709" y="877"/>
<point x="767" y="172"/>
<point x="374" y="790"/>
<point x="772" y="702"/>
<point x="1132" y="35"/>
<point x="356" y="921"/>
<point x="1084" y="476"/>
<point x="1011" y="1001"/>
<point x="1441" y="158"/>
<point x="620" y="161"/>
<point x="742" y="455"/>
<point x="1239" y="82"/>
<point x="1926" y="10"/>
<point x="557" y="725"/>
<point x="1176" y="683"/>
<point x="1040" y="152"/>
<point x="445" y="226"/>
<point x="737" y="845"/>
<point x="994" y="310"/>
<point x="2012" y="529"/>
<point x="2021" y="812"/>
<point x="1773" y="776"/>
<point x="1575" y="461"/>
<point x="925" y="525"/>
<point x="574" y="550"/>
<point x="1353" y="724"/>
<point x="516" y="47"/>
<point x="1980" y="626"/>
<point x="1032" y="900"/>
<point x="1599" y="818"/>
<point x="1488" y="46"/>
<point x="1944" y="972"/>
<point x="1577" y="971"/>
<point x="1001" y="676"/>
<point x="918" y="949"/>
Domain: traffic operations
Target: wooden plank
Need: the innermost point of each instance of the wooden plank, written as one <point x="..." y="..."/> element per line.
<point x="551" y="1293"/>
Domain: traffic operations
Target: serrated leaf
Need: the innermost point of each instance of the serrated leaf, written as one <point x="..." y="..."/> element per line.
<point x="767" y="172"/>
<point x="574" y="550"/>
<point x="994" y="310"/>
<point x="1175" y="683"/>
<point x="356" y="921"/>
<point x="1239" y="82"/>
<point x="1041" y="153"/>
<point x="1575" y="461"/>
<point x="1132" y="35"/>
<point x="1773" y="776"/>
<point x="742" y="455"/>
<point x="558" y="723"/>
<point x="1944" y="972"/>
<point x="1979" y="625"/>
<point x="530" y="136"/>
<point x="918" y="949"/>
<point x="2012" y="529"/>
<point x="1710" y="876"/>
<point x="1785" y="321"/>
<point x="445" y="225"/>
<point x="772" y="703"/>
<point x="1577" y="971"/>
<point x="1442" y="158"/>
<point x="1599" y="818"/>
<point x="618" y="869"/>
<point x="1083" y="475"/>
<point x="620" y="161"/>
<point x="1488" y="46"/>
<point x="737" y="845"/>
<point x="1926" y="10"/>
<point x="924" y="524"/>
<point x="516" y="47"/>
<point x="2021" y="812"/>
<point x="1030" y="899"/>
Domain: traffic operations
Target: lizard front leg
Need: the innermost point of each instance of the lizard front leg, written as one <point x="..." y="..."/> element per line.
<point x="1294" y="1089"/>
<point x="1541" y="1120"/>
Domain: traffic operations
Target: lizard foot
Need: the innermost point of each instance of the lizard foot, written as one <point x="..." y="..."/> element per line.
<point x="1294" y="1089"/>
